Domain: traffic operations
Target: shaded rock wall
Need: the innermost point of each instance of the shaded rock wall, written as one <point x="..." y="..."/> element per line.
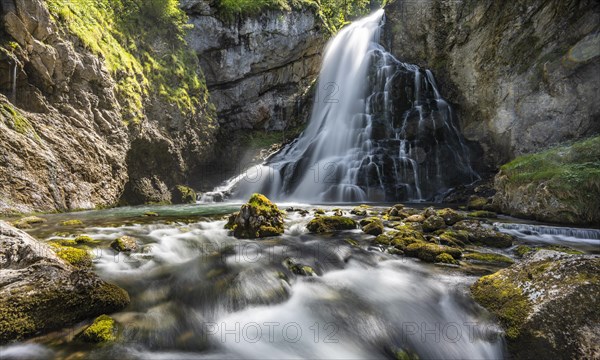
<point x="522" y="75"/>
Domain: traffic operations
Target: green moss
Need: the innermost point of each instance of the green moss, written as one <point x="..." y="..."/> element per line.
<point x="26" y="222"/>
<point x="102" y="330"/>
<point x="505" y="299"/>
<point x="445" y="258"/>
<point x="85" y="239"/>
<point x="124" y="244"/>
<point x="570" y="172"/>
<point x="73" y="222"/>
<point x="429" y="252"/>
<point x="323" y="224"/>
<point x="521" y="250"/>
<point x="483" y="214"/>
<point x="16" y="121"/>
<point x="183" y="195"/>
<point x="76" y="257"/>
<point x="476" y="202"/>
<point x="564" y="249"/>
<point x="488" y="257"/>
<point x="450" y="216"/>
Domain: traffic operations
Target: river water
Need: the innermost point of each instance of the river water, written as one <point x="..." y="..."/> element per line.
<point x="198" y="292"/>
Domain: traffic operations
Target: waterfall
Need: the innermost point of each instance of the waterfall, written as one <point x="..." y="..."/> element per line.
<point x="379" y="131"/>
<point x="14" y="82"/>
<point x="528" y="229"/>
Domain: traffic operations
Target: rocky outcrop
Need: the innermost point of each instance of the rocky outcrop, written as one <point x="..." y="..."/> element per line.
<point x="547" y="304"/>
<point x="560" y="185"/>
<point x="257" y="219"/>
<point x="256" y="67"/>
<point x="40" y="292"/>
<point x="75" y="127"/>
<point x="512" y="69"/>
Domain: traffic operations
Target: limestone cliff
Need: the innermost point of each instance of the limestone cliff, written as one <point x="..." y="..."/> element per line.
<point x="522" y="75"/>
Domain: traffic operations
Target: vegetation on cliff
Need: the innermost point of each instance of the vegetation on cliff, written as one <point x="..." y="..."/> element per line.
<point x="143" y="44"/>
<point x="561" y="184"/>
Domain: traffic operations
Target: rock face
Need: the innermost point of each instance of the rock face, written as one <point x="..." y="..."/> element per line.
<point x="548" y="305"/>
<point x="256" y="219"/>
<point x="41" y="292"/>
<point x="514" y="70"/>
<point x="64" y="142"/>
<point x="256" y="67"/>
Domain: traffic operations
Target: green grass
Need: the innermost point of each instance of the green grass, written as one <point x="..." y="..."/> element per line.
<point x="143" y="44"/>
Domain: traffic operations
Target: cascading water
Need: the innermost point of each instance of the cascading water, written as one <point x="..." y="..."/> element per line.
<point x="379" y="131"/>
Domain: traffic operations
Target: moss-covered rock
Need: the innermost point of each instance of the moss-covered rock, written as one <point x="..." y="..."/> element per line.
<point x="183" y="195"/>
<point x="483" y="214"/>
<point x="323" y="224"/>
<point x="73" y="222"/>
<point x="490" y="258"/>
<point x="124" y="244"/>
<point x="477" y="203"/>
<point x="42" y="292"/>
<point x="26" y="222"/>
<point x="102" y="330"/>
<point x="429" y="252"/>
<point x="415" y="218"/>
<point x="523" y="250"/>
<point x="445" y="258"/>
<point x="483" y="234"/>
<point x="85" y="240"/>
<point x="560" y="185"/>
<point x="547" y="303"/>
<point x="256" y="219"/>
<point x="433" y="223"/>
<point x="76" y="257"/>
<point x="298" y="269"/>
<point x="372" y="226"/>
<point x="454" y="238"/>
<point x="319" y="211"/>
<point x="450" y="216"/>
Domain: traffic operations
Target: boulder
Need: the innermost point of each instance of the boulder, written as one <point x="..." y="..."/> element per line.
<point x="324" y="224"/>
<point x="183" y="195"/>
<point x="256" y="219"/>
<point x="40" y="292"/>
<point x="483" y="234"/>
<point x="124" y="244"/>
<point x="548" y="304"/>
<point x="433" y="223"/>
<point x="450" y="216"/>
<point x="373" y="227"/>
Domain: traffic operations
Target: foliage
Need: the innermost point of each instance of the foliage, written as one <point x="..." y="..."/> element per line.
<point x="334" y="13"/>
<point x="144" y="47"/>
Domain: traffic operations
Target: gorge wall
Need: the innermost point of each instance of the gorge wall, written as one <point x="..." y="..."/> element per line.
<point x="101" y="106"/>
<point x="521" y="75"/>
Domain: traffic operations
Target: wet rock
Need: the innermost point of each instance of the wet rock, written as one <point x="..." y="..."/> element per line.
<point x="547" y="304"/>
<point x="429" y="252"/>
<point x="338" y="212"/>
<point x="26" y="222"/>
<point x="40" y="292"/>
<point x="433" y="223"/>
<point x="450" y="216"/>
<point x="298" y="269"/>
<point x="323" y="224"/>
<point x="183" y="195"/>
<point x="415" y="218"/>
<point x="488" y="258"/>
<point x="124" y="244"/>
<point x="483" y="214"/>
<point x="256" y="219"/>
<point x="146" y="190"/>
<point x="483" y="234"/>
<point x="374" y="227"/>
<point x="445" y="258"/>
<point x="477" y="203"/>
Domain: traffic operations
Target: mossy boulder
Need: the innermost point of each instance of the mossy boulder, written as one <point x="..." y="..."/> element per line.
<point x="559" y="185"/>
<point x="429" y="252"/>
<point x="415" y="218"/>
<point x="548" y="304"/>
<point x="124" y="244"/>
<point x="455" y="238"/>
<point x="181" y="194"/>
<point x="483" y="214"/>
<point x="433" y="223"/>
<point x="256" y="219"/>
<point x="450" y="216"/>
<point x="445" y="258"/>
<point x="102" y="330"/>
<point x="298" y="269"/>
<point x="372" y="226"/>
<point x="42" y="292"/>
<point x="26" y="222"/>
<point x="73" y="222"/>
<point x="477" y="203"/>
<point x="489" y="258"/>
<point x="480" y="233"/>
<point x="324" y="224"/>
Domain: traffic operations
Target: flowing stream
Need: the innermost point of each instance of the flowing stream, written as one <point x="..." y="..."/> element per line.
<point x="379" y="131"/>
